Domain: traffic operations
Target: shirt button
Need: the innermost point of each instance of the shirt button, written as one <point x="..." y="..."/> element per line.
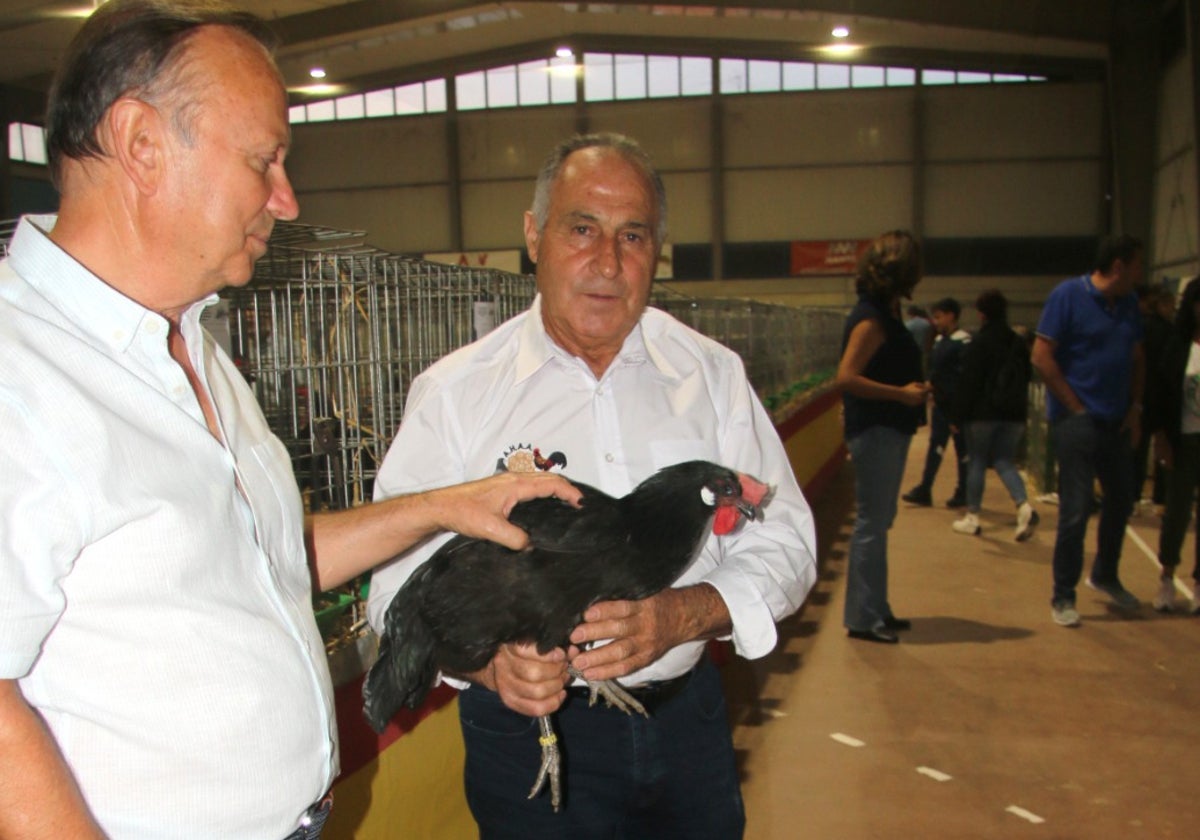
<point x="151" y="328"/>
<point x="608" y="457"/>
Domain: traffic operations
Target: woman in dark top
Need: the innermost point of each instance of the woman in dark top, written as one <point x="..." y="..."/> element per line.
<point x="991" y="407"/>
<point x="883" y="400"/>
<point x="1178" y="442"/>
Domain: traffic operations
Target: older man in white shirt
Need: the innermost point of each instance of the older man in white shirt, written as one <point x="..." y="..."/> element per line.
<point x="591" y="383"/>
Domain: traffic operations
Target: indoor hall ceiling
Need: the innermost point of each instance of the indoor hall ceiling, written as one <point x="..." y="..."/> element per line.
<point x="374" y="43"/>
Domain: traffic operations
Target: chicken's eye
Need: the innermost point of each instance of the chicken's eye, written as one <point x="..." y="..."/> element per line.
<point x="708" y="496"/>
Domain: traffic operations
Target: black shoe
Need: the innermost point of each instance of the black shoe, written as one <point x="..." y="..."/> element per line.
<point x="878" y="634"/>
<point x="959" y="499"/>
<point x="919" y="495"/>
<point x="896" y="624"/>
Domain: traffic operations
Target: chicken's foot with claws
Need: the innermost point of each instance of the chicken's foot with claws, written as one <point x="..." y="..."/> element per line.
<point x="613" y="692"/>
<point x="551" y="764"/>
<point x="551" y="769"/>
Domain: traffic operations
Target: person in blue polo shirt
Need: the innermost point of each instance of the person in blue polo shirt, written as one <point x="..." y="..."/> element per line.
<point x="1088" y="351"/>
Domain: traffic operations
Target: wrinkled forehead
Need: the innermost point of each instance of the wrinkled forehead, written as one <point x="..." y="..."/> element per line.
<point x="600" y="175"/>
<point x="226" y="69"/>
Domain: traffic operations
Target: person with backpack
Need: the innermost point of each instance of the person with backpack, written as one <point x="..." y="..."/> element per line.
<point x="990" y="406"/>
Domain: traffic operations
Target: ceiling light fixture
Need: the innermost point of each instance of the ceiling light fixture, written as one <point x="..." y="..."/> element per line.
<point x="564" y="52"/>
<point x="319" y="89"/>
<point x="317" y="72"/>
<point x="841" y="32"/>
<point x="840" y="50"/>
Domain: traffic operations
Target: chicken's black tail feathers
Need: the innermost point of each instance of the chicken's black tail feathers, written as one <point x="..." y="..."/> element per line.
<point x="404" y="672"/>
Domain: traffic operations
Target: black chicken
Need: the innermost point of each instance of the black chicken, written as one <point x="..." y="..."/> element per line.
<point x="473" y="595"/>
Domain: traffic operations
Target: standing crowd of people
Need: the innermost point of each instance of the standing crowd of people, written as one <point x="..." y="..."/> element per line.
<point x="1118" y="373"/>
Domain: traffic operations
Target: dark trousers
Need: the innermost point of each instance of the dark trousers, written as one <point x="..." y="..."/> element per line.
<point x="1181" y="491"/>
<point x="1141" y="466"/>
<point x="939" y="436"/>
<point x="1088" y="449"/>
<point x="671" y="775"/>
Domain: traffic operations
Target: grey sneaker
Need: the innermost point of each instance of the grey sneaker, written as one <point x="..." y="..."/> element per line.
<point x="1121" y="597"/>
<point x="1064" y="614"/>
<point x="1027" y="520"/>
<point x="1164" y="599"/>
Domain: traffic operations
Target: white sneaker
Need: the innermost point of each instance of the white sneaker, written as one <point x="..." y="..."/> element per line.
<point x="969" y="524"/>
<point x="1064" y="614"/>
<point x="1027" y="520"/>
<point x="1195" y="610"/>
<point x="1165" y="597"/>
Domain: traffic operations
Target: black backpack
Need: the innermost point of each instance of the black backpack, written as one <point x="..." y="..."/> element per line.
<point x="1008" y="387"/>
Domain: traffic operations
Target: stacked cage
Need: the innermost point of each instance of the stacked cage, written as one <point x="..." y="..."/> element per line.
<point x="330" y="334"/>
<point x="786" y="350"/>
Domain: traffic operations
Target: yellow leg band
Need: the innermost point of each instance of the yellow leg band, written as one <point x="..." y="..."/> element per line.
<point x="547" y="740"/>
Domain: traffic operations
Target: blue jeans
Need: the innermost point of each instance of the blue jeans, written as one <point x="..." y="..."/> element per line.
<point x="994" y="442"/>
<point x="1090" y="448"/>
<point x="939" y="436"/>
<point x="878" y="454"/>
<point x="671" y="775"/>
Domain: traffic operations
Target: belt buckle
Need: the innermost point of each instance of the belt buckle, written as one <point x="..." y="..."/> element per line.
<point x="317" y="813"/>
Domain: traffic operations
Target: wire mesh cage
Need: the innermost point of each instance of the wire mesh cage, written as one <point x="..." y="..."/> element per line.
<point x="786" y="350"/>
<point x="330" y="333"/>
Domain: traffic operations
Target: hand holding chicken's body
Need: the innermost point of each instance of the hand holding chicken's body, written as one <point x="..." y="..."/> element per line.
<point x="473" y="595"/>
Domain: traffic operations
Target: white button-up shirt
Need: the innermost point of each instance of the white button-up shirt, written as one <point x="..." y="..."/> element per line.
<point x="155" y="600"/>
<point x="671" y="395"/>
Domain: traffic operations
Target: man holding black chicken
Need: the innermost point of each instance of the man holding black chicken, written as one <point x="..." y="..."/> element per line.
<point x="592" y="384"/>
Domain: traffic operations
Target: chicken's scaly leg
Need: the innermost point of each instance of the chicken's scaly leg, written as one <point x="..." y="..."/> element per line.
<point x="616" y="697"/>
<point x="551" y="764"/>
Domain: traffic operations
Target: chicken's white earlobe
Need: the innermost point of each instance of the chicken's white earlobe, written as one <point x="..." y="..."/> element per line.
<point x="708" y="497"/>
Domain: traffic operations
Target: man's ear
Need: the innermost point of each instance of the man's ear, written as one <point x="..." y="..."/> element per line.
<point x="531" y="236"/>
<point x="133" y="133"/>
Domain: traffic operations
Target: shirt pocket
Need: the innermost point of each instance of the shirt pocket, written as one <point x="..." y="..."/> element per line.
<point x="278" y="511"/>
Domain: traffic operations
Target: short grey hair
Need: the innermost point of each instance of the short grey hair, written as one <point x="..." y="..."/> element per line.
<point x="627" y="147"/>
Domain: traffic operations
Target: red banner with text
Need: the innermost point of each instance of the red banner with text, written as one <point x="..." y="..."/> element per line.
<point x="828" y="256"/>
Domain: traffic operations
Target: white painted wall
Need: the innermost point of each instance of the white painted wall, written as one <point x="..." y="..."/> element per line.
<point x="987" y="161"/>
<point x="1176" y="251"/>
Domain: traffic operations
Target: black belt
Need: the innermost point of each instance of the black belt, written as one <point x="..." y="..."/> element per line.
<point x="313" y="820"/>
<point x="651" y="695"/>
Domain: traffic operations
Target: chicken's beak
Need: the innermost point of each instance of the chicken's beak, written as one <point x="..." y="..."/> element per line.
<point x="755" y="494"/>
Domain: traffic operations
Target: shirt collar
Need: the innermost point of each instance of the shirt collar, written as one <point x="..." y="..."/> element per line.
<point x="536" y="348"/>
<point x="96" y="308"/>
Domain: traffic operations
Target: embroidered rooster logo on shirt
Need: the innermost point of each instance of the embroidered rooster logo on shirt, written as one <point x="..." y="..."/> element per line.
<point x="524" y="457"/>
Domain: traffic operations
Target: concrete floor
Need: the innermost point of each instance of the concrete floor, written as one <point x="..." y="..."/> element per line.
<point x="987" y="720"/>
